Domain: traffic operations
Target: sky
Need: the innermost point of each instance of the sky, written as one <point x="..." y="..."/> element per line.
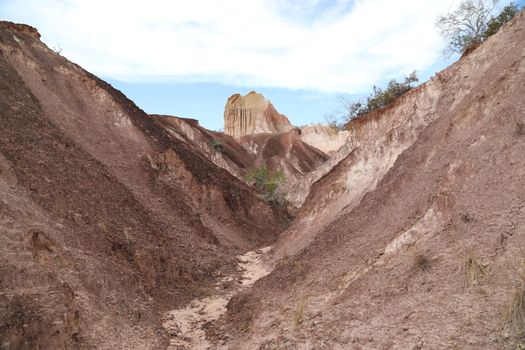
<point x="185" y="58"/>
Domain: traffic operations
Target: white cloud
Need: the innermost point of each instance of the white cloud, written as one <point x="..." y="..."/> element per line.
<point x="327" y="45"/>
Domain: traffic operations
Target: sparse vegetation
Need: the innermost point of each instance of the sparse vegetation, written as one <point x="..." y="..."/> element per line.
<point x="471" y="23"/>
<point x="380" y="98"/>
<point x="495" y="23"/>
<point x="299" y="315"/>
<point x="294" y="265"/>
<point x="334" y="121"/>
<point x="466" y="217"/>
<point x="217" y="146"/>
<point x="285" y="260"/>
<point x="422" y="262"/>
<point x="475" y="271"/>
<point x="520" y="128"/>
<point x="57" y="49"/>
<point x="514" y="312"/>
<point x="269" y="183"/>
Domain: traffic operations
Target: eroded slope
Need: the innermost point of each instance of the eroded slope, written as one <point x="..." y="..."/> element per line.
<point x="429" y="252"/>
<point x="106" y="219"/>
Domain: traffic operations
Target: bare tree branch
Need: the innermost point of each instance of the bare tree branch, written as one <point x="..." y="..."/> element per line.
<point x="465" y="27"/>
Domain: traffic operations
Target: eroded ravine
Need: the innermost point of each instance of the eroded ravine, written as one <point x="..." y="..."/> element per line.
<point x="186" y="326"/>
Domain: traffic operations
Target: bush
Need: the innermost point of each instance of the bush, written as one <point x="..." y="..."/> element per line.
<point x="422" y="262"/>
<point x="495" y="23"/>
<point x="217" y="145"/>
<point x="269" y="183"/>
<point x="379" y="99"/>
<point x="382" y="98"/>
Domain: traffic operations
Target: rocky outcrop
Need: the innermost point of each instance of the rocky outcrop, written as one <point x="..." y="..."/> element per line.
<point x="252" y="114"/>
<point x="223" y="150"/>
<point x="324" y="137"/>
<point x="21" y="28"/>
<point x="284" y="151"/>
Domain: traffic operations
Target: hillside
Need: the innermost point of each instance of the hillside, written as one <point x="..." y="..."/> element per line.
<point x="106" y="219"/>
<point x="123" y="230"/>
<point x="415" y="239"/>
<point x="285" y="151"/>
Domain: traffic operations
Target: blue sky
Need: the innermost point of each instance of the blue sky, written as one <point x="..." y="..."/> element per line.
<point x="186" y="58"/>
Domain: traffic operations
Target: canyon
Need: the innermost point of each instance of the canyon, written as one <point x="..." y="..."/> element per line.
<point x="124" y="230"/>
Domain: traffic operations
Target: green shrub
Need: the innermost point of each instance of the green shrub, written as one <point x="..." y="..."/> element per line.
<point x="269" y="183"/>
<point x="505" y="15"/>
<point x="380" y="98"/>
<point x="217" y="145"/>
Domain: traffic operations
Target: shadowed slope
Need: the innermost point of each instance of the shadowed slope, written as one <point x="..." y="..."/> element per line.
<point x="106" y="219"/>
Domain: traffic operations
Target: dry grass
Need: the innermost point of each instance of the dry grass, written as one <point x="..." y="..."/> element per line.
<point x="291" y="263"/>
<point x="514" y="312"/>
<point x="299" y="315"/>
<point x="466" y="217"/>
<point x="285" y="260"/>
<point x="520" y="128"/>
<point x="422" y="262"/>
<point x="474" y="269"/>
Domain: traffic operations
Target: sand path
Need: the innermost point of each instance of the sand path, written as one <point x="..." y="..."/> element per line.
<point x="186" y="325"/>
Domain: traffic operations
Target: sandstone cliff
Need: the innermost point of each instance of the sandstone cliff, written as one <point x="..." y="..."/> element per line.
<point x="252" y="114"/>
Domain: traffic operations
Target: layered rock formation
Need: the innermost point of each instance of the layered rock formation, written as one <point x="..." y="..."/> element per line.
<point x="324" y="137"/>
<point x="284" y="151"/>
<point x="252" y="114"/>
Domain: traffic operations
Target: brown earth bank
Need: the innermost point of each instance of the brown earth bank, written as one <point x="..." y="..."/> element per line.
<point x="106" y="219"/>
<point x="415" y="239"/>
<point x="411" y="234"/>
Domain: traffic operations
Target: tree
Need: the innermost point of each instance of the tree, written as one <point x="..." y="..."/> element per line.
<point x="465" y="27"/>
<point x="495" y="23"/>
<point x="335" y="120"/>
<point x="340" y="117"/>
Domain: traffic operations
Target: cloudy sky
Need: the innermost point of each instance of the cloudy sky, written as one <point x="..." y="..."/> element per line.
<point x="185" y="57"/>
